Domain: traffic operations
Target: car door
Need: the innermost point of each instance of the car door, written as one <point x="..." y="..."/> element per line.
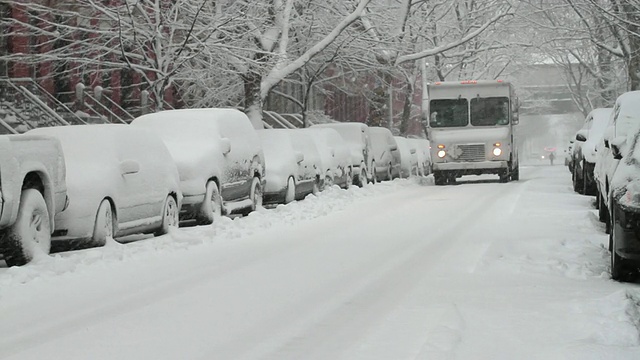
<point x="239" y="158"/>
<point x="141" y="192"/>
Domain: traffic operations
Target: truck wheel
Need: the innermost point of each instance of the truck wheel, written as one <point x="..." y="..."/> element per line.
<point x="504" y="175"/>
<point x="30" y="234"/>
<point x="439" y="178"/>
<point x="103" y="227"/>
<point x="211" y="209"/>
<point x="515" y="173"/>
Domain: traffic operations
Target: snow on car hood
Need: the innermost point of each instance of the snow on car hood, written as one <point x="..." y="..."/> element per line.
<point x="600" y="122"/>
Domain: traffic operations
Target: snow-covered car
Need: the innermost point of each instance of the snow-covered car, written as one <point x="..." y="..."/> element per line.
<point x="624" y="119"/>
<point x="32" y="191"/>
<point x="357" y="136"/>
<point x="286" y="178"/>
<point x="335" y="156"/>
<point x="385" y="153"/>
<point x="219" y="157"/>
<point x="584" y="153"/>
<point x="622" y="137"/>
<point x="423" y="154"/>
<point x="121" y="180"/>
<point x="408" y="157"/>
<point x="310" y="172"/>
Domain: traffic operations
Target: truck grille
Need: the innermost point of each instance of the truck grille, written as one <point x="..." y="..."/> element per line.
<point x="471" y="152"/>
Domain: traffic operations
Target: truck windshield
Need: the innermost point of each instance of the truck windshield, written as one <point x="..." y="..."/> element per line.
<point x="490" y="111"/>
<point x="448" y="113"/>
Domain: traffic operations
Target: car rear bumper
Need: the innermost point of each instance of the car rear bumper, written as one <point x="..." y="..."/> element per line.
<point x="627" y="231"/>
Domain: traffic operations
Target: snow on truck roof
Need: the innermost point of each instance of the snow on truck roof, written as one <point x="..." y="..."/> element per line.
<point x="470" y="82"/>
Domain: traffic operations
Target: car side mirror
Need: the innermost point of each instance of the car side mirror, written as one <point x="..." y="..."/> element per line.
<point x="129" y="167"/>
<point x="226" y="145"/>
<point x="299" y="157"/>
<point x="581" y="136"/>
<point x="393" y="148"/>
<point x="413" y="151"/>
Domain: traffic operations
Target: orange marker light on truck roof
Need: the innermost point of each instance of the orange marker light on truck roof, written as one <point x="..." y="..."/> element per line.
<point x="469" y="82"/>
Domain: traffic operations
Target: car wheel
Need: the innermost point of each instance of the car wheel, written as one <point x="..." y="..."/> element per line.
<point x="290" y="194"/>
<point x="374" y="173"/>
<point x="602" y="209"/>
<point x="211" y="208"/>
<point x="256" y="194"/>
<point x="328" y="181"/>
<point x="349" y="180"/>
<point x="587" y="189"/>
<point x="389" y="174"/>
<point x="361" y="179"/>
<point x="31" y="233"/>
<point x="577" y="182"/>
<point x="103" y="228"/>
<point x="617" y="263"/>
<point x="170" y="215"/>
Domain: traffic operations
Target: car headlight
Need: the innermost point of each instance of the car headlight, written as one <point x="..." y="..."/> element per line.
<point x="497" y="151"/>
<point x="441" y="153"/>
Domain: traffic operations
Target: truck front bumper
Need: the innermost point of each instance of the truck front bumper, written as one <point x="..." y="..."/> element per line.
<point x="490" y="166"/>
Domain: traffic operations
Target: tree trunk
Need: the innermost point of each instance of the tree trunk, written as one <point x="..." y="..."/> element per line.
<point x="253" y="98"/>
<point x="406" y="109"/>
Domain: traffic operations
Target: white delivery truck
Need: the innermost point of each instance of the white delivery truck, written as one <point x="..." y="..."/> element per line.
<point x="471" y="129"/>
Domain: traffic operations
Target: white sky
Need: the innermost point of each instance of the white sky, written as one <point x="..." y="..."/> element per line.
<point x="397" y="270"/>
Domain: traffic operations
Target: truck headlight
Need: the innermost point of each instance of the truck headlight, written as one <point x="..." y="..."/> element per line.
<point x="497" y="151"/>
<point x="441" y="153"/>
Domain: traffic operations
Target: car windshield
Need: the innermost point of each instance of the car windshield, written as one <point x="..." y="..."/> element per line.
<point x="490" y="111"/>
<point x="448" y="113"/>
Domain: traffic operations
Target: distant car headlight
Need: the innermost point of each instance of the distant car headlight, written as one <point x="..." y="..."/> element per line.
<point x="441" y="153"/>
<point x="497" y="151"/>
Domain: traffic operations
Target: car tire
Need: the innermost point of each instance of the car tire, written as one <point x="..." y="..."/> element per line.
<point x="602" y="209"/>
<point x="389" y="174"/>
<point x="349" y="179"/>
<point x="587" y="189"/>
<point x="103" y="226"/>
<point x="577" y="182"/>
<point x="328" y="181"/>
<point x="361" y="179"/>
<point x="374" y="174"/>
<point x="30" y="234"/>
<point x="256" y="194"/>
<point x="170" y="216"/>
<point x="290" y="192"/>
<point x="211" y="208"/>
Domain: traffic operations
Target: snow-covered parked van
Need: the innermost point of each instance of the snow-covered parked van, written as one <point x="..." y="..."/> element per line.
<point x="219" y="157"/>
<point x="32" y="191"/>
<point x="121" y="180"/>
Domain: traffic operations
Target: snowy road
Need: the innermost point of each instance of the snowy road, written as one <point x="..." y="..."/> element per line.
<point x="401" y="270"/>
